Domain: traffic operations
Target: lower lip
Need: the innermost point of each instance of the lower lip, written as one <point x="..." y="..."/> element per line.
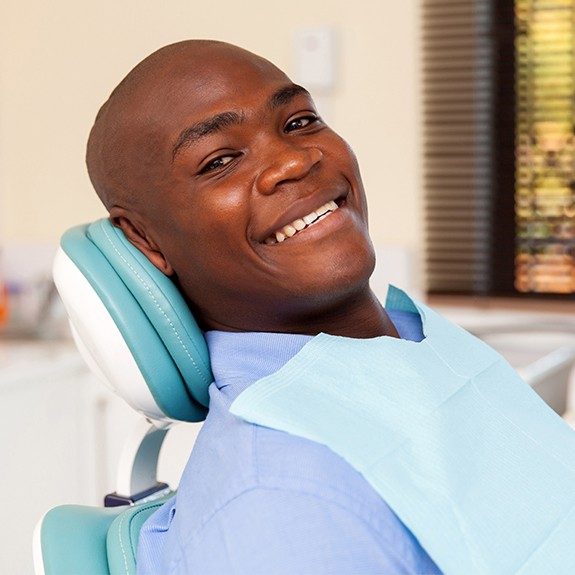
<point x="325" y="225"/>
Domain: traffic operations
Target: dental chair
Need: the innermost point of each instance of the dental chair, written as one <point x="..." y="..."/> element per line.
<point x="136" y="332"/>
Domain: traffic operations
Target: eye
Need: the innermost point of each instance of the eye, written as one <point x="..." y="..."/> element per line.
<point x="301" y="122"/>
<point x="217" y="163"/>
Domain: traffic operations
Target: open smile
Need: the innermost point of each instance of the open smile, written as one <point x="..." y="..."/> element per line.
<point x="298" y="225"/>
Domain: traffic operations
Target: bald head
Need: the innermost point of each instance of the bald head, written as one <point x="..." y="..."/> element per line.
<point x="129" y="152"/>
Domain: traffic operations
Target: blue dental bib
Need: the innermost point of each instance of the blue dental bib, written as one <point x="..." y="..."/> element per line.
<point x="470" y="458"/>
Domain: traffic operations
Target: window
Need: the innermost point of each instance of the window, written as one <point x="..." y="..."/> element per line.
<point x="499" y="165"/>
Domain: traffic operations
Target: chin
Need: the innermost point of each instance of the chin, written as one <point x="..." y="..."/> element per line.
<point x="337" y="276"/>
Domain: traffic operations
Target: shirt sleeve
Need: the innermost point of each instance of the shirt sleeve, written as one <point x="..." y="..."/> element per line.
<point x="279" y="532"/>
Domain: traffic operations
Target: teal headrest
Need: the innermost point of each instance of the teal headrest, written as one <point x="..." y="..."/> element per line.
<point x="151" y="315"/>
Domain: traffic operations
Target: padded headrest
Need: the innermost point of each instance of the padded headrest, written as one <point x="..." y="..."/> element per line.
<point x="132" y="325"/>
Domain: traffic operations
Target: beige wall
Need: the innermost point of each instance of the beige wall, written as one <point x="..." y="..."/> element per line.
<point x="60" y="59"/>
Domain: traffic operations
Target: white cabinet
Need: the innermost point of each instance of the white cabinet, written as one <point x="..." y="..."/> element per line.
<point x="61" y="433"/>
<point x="42" y="435"/>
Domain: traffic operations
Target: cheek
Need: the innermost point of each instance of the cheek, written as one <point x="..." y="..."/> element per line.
<point x="215" y="214"/>
<point x="220" y="204"/>
<point x="344" y="158"/>
<point x="342" y="149"/>
<point x="357" y="184"/>
<point x="206" y="237"/>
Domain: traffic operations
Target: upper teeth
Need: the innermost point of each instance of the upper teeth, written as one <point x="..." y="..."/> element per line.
<point x="297" y="225"/>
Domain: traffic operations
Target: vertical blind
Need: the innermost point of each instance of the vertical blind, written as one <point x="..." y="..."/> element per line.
<point x="458" y="143"/>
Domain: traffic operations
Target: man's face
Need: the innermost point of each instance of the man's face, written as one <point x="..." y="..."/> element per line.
<point x="262" y="213"/>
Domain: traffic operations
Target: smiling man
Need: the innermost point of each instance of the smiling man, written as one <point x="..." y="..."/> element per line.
<point x="220" y="170"/>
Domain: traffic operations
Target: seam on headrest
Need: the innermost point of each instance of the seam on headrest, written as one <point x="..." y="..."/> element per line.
<point x="122" y="545"/>
<point x="122" y="519"/>
<point x="147" y="288"/>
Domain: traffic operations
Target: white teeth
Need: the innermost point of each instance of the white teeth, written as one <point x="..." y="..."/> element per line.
<point x="299" y="224"/>
<point x="329" y="206"/>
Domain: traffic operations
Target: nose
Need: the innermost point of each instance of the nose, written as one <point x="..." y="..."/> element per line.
<point x="290" y="163"/>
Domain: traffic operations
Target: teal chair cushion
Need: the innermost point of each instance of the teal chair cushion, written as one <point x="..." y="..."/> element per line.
<point x="150" y="313"/>
<point x="84" y="540"/>
<point x="74" y="540"/>
<point x="123" y="534"/>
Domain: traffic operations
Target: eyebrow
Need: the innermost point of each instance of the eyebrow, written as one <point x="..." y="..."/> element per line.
<point x="214" y="124"/>
<point x="204" y="128"/>
<point x="286" y="94"/>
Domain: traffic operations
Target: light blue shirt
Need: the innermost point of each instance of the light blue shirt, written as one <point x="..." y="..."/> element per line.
<point x="254" y="500"/>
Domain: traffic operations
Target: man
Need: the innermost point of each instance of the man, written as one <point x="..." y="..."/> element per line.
<point x="220" y="170"/>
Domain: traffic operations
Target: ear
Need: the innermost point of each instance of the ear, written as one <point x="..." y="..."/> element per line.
<point x="137" y="236"/>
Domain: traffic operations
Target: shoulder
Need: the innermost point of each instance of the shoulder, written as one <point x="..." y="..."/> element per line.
<point x="237" y="464"/>
<point x="284" y="461"/>
<point x="262" y="497"/>
<point x="281" y="530"/>
<point x="232" y="456"/>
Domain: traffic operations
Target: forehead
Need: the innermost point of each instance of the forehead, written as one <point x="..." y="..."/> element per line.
<point x="192" y="88"/>
<point x="183" y="90"/>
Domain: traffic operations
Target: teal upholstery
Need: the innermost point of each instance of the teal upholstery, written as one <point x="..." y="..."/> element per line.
<point x="92" y="541"/>
<point x="122" y="538"/>
<point x="151" y="314"/>
<point x="74" y="536"/>
<point x="170" y="352"/>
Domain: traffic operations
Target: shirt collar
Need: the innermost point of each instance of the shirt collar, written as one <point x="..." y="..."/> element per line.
<point x="240" y="358"/>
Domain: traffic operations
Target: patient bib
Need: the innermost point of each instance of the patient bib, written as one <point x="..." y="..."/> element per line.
<point x="469" y="457"/>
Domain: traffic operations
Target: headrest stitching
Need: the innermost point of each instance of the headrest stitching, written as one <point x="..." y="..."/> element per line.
<point x="123" y="516"/>
<point x="122" y="543"/>
<point x="147" y="288"/>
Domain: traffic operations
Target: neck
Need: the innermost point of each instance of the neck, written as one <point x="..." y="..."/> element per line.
<point x="358" y="316"/>
<point x="361" y="316"/>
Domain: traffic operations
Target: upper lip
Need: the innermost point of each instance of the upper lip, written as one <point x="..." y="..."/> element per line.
<point x="301" y="208"/>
